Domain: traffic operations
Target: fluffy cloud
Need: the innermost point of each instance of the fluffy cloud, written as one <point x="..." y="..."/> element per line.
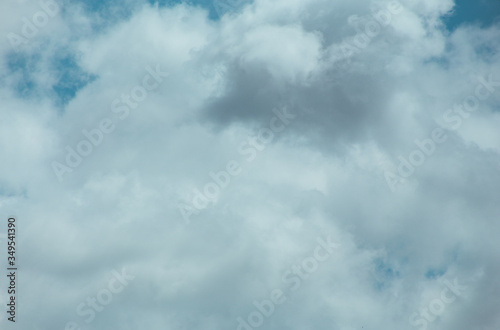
<point x="361" y="81"/>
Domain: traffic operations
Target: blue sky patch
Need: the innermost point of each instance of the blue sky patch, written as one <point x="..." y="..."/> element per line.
<point x="69" y="76"/>
<point x="70" y="79"/>
<point x="482" y="12"/>
<point x="23" y="65"/>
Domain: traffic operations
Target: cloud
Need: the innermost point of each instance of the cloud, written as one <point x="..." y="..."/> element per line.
<point x="360" y="100"/>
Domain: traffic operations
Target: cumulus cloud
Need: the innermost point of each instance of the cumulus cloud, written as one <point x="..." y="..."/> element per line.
<point x="208" y="156"/>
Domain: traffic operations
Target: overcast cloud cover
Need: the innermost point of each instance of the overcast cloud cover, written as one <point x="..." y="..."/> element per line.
<point x="359" y="141"/>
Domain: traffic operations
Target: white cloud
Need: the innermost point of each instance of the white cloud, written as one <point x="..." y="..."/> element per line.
<point x="322" y="175"/>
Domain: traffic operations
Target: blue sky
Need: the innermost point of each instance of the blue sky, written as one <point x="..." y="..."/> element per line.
<point x="482" y="12"/>
<point x="466" y="11"/>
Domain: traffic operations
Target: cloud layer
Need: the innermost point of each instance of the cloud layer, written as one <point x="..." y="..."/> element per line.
<point x="307" y="120"/>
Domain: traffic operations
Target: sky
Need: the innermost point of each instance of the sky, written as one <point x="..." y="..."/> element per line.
<point x="238" y="164"/>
